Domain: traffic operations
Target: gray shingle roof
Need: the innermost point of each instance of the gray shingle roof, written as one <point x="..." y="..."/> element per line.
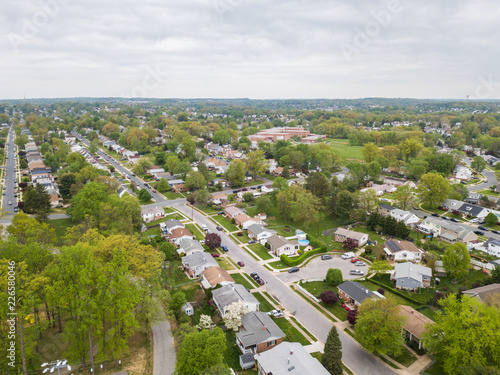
<point x="258" y="327"/>
<point x="356" y="290"/>
<point x="386" y="206"/>
<point x="257" y="229"/>
<point x="413" y="271"/>
<point x="189" y="244"/>
<point x="232" y="293"/>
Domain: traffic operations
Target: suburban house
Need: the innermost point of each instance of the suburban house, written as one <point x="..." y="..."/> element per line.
<point x="169" y="225"/>
<point x="402" y="250"/>
<point x="258" y="232"/>
<point x="473" y="198"/>
<point x="232" y="211"/>
<point x="462" y="173"/>
<point x="384" y="209"/>
<point x="280" y="245"/>
<point x="342" y="234"/>
<point x="492" y="247"/>
<point x="198" y="262"/>
<point x="152" y="214"/>
<point x="411" y="276"/>
<point x="381" y="189"/>
<point x="405" y="216"/>
<point x="394" y="181"/>
<point x="267" y="189"/>
<point x="289" y="358"/>
<point x="179" y="188"/>
<point x="258" y="333"/>
<point x="354" y="293"/>
<point x="178" y="235"/>
<point x="277" y="172"/>
<point x="446" y="230"/>
<point x="214" y="276"/>
<point x="451" y="205"/>
<point x="244" y="221"/>
<point x="188" y="246"/>
<point x="473" y="210"/>
<point x="220" y="198"/>
<point x="230" y="293"/>
<point x="415" y="323"/>
<point x="483" y="292"/>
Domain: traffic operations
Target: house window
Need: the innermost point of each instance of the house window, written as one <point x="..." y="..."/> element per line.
<point x="271" y="343"/>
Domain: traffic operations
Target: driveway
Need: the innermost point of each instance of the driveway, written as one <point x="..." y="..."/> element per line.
<point x="317" y="269"/>
<point x="164" y="354"/>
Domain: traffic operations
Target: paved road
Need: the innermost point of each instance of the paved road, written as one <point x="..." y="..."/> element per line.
<point x="356" y="358"/>
<point x="10" y="180"/>
<point x="164" y="354"/>
<point x="490" y="179"/>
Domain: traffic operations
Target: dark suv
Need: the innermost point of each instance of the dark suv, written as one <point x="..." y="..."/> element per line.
<point x="293" y="269"/>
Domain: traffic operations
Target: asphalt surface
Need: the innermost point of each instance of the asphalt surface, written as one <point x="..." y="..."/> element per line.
<point x="10" y="180"/>
<point x="164" y="354"/>
<point x="490" y="179"/>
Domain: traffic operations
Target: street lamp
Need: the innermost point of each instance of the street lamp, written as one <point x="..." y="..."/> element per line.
<point x="56" y="365"/>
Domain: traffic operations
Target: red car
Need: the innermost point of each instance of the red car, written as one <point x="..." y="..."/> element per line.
<point x="241" y="264"/>
<point x="215" y="255"/>
<point x="354" y="260"/>
<point x="154" y="191"/>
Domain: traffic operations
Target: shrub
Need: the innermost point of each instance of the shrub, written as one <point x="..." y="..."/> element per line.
<point x="298" y="260"/>
<point x="475" y="285"/>
<point x="328" y="297"/>
<point x="212" y="240"/>
<point x="334" y="277"/>
<point x="352" y="316"/>
<point x="381" y="291"/>
<point x="239" y="234"/>
<point x="445" y="288"/>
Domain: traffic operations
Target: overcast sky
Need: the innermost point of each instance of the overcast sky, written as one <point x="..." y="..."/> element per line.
<point x="250" y="48"/>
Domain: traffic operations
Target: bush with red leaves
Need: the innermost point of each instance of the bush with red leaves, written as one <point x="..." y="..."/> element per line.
<point x="328" y="297"/>
<point x="352" y="316"/>
<point x="212" y="240"/>
<point x="381" y="291"/>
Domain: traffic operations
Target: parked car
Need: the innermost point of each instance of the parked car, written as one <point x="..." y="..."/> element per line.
<point x="356" y="272"/>
<point x="252" y="242"/>
<point x="154" y="191"/>
<point x="444" y="218"/>
<point x="275" y="313"/>
<point x="354" y="260"/>
<point x="454" y="220"/>
<point x="495" y="231"/>
<point x="204" y="227"/>
<point x="326" y="257"/>
<point x="235" y="191"/>
<point x="244" y="189"/>
<point x="293" y="269"/>
<point x="10" y="202"/>
<point x="224" y="247"/>
<point x="254" y="275"/>
<point x="15" y="209"/>
<point x="260" y="281"/>
<point x="241" y="264"/>
<point x="215" y="255"/>
<point x="360" y="263"/>
<point x="478" y="232"/>
<point x="435" y="215"/>
<point x="221" y="213"/>
<point x="483" y="228"/>
<point x="218" y="227"/>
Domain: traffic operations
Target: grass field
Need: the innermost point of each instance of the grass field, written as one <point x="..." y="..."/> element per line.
<point x="60" y="226"/>
<point x="346" y="151"/>
<point x="290" y="330"/>
<point x="225" y="223"/>
<point x="260" y="251"/>
<point x="194" y="230"/>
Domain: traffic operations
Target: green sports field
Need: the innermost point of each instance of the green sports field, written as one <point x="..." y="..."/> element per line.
<point x="346" y="151"/>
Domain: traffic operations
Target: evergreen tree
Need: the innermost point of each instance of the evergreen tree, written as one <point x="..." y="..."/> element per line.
<point x="332" y="358"/>
<point x="402" y="230"/>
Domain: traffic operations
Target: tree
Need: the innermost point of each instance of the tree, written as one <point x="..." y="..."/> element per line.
<point x="349" y="244"/>
<point x="36" y="199"/>
<point x="404" y="197"/>
<point x="280" y="183"/>
<point x="248" y="197"/>
<point x="317" y="184"/>
<point x="212" y="240"/>
<point x="380" y="266"/>
<point x="491" y="219"/>
<point x="378" y="327"/>
<point x="144" y="195"/>
<point x="209" y="347"/>
<point x="195" y="180"/>
<point x="171" y="162"/>
<point x="182" y="169"/>
<point x="205" y="322"/>
<point x="142" y="165"/>
<point x="460" y="192"/>
<point x="328" y="297"/>
<point x="178" y="299"/>
<point x="466" y="332"/>
<point x="344" y="204"/>
<point x="236" y="173"/>
<point x="433" y="189"/>
<point x="402" y="231"/>
<point x="477" y="369"/>
<point x="264" y="204"/>
<point x="201" y="197"/>
<point x="410" y="147"/>
<point x="456" y="260"/>
<point x="220" y="369"/>
<point x="368" y="200"/>
<point x="332" y="357"/>
<point x="478" y="164"/>
<point x="163" y="186"/>
<point x="222" y="137"/>
<point x="334" y="277"/>
<point x="370" y="152"/>
<point x="233" y="314"/>
<point x="256" y="163"/>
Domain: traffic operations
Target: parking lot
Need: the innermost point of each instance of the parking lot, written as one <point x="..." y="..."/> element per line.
<point x="317" y="268"/>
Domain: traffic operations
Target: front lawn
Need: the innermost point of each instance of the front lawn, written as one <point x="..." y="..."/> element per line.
<point x="172" y="195"/>
<point x="225" y="223"/>
<point x="60" y="226"/>
<point x="435" y="369"/>
<point x="265" y="305"/>
<point x="386" y="280"/>
<point x="232" y="353"/>
<point x="224" y="263"/>
<point x="194" y="230"/>
<point x="260" y="251"/>
<point x="241" y="279"/>
<point x="406" y="358"/>
<point x="316" y="288"/>
<point x="447" y="284"/>
<point x="483" y="255"/>
<point x="292" y="333"/>
<point x="399" y="300"/>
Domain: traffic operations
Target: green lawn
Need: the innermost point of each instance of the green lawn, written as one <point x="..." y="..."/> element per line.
<point x="399" y="300"/>
<point x="431" y="209"/>
<point x="264" y="303"/>
<point x="386" y="280"/>
<point x="293" y="334"/>
<point x="224" y="263"/>
<point x="232" y="353"/>
<point x="278" y="265"/>
<point x="435" y="369"/>
<point x="487" y="192"/>
<point x="244" y="237"/>
<point x="483" y="255"/>
<point x="172" y="195"/>
<point x="474" y="276"/>
<point x="260" y="251"/>
<point x="316" y="288"/>
<point x="194" y="230"/>
<point x="174" y="274"/>
<point x="225" y="223"/>
<point x="241" y="279"/>
<point x="347" y="152"/>
<point x="372" y="234"/>
<point x="208" y="210"/>
<point x="60" y="226"/>
<point x="406" y="358"/>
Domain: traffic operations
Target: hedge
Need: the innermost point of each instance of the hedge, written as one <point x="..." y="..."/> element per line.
<point x="314" y="242"/>
<point x="397" y="292"/>
<point x="296" y="261"/>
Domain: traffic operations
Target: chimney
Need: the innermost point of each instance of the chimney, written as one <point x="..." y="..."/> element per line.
<point x="412" y="311"/>
<point x="288" y="359"/>
<point x="291" y="352"/>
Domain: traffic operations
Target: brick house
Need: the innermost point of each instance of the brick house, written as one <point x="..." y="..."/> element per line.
<point x="258" y="333"/>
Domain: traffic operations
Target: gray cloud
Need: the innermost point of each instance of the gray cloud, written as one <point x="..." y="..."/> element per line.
<point x="248" y="48"/>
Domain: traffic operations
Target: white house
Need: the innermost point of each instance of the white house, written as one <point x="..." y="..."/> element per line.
<point x="280" y="245"/>
<point x="258" y="232"/>
<point x="462" y="173"/>
<point x="405" y="216"/>
<point x="230" y="293"/>
<point x="152" y="214"/>
<point x="198" y="262"/>
<point x="402" y="250"/>
<point x="492" y="247"/>
<point x="267" y="189"/>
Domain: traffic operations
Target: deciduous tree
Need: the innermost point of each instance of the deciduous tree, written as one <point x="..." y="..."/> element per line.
<point x="212" y="240"/>
<point x="456" y="260"/>
<point x="433" y="189"/>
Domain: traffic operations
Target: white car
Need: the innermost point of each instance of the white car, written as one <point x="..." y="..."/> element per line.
<point x="276" y="313"/>
<point x="360" y="263"/>
<point x="356" y="272"/>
